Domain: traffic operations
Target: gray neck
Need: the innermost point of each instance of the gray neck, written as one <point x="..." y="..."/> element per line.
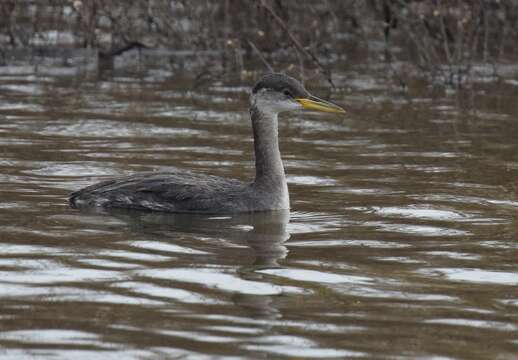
<point x="269" y="171"/>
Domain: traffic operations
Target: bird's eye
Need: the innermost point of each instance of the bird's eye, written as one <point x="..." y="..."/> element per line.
<point x="287" y="93"/>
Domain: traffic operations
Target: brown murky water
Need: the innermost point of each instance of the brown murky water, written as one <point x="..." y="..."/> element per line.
<point x="401" y="243"/>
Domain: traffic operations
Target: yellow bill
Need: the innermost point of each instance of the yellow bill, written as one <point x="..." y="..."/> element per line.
<point x="314" y="103"/>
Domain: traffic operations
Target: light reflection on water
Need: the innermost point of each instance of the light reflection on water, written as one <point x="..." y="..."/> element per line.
<point x="402" y="227"/>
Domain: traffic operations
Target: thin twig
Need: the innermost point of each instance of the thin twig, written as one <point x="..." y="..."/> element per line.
<point x="261" y="57"/>
<point x="295" y="42"/>
<point x="442" y="26"/>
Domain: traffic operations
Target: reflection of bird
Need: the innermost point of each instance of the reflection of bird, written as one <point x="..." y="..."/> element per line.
<point x="198" y="193"/>
<point x="263" y="232"/>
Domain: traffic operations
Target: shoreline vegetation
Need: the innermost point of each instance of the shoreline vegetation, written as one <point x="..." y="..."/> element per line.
<point x="453" y="43"/>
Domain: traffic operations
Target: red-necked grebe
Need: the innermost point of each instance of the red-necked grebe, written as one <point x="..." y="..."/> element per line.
<point x="200" y="193"/>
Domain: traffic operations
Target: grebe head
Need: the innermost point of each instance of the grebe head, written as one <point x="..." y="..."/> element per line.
<point x="275" y="93"/>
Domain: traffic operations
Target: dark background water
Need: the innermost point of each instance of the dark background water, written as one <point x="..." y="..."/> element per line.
<point x="401" y="242"/>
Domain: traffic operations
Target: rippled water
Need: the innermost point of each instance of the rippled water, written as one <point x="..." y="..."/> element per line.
<point x="401" y="243"/>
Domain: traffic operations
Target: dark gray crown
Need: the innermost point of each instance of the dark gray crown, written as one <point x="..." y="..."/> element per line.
<point x="281" y="83"/>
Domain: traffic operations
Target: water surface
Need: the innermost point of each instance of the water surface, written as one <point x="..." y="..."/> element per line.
<point x="401" y="241"/>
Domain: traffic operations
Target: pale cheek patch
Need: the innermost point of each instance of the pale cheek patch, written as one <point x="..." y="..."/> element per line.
<point x="271" y="102"/>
